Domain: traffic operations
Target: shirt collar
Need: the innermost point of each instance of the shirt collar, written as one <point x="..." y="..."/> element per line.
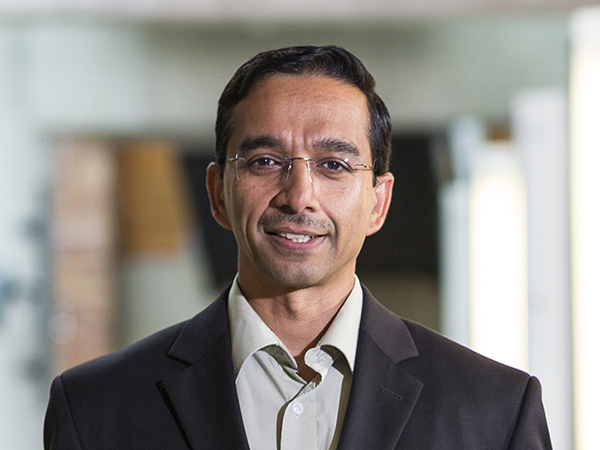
<point x="343" y="331"/>
<point x="249" y="333"/>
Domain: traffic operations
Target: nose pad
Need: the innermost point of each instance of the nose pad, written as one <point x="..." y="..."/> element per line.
<point x="308" y="168"/>
<point x="297" y="192"/>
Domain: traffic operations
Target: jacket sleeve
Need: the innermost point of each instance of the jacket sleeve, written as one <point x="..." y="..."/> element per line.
<point x="531" y="430"/>
<point x="59" y="428"/>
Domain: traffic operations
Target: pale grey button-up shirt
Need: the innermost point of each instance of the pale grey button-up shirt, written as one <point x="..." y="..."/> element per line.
<point x="280" y="410"/>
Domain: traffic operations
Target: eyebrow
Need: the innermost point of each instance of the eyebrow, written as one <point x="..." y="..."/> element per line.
<point x="264" y="141"/>
<point x="326" y="144"/>
<point x="337" y="146"/>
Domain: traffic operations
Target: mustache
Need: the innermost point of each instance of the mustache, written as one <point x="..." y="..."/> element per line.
<point x="278" y="218"/>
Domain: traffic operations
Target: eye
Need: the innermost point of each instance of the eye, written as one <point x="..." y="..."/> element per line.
<point x="264" y="163"/>
<point x="334" y="165"/>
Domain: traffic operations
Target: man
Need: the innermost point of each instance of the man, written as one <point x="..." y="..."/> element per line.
<point x="296" y="354"/>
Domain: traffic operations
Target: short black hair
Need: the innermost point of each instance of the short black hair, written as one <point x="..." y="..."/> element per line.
<point x="329" y="61"/>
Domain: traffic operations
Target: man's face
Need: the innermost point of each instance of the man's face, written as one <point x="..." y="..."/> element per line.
<point x="299" y="232"/>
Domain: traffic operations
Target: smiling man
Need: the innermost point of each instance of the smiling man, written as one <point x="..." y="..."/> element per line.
<point x="296" y="353"/>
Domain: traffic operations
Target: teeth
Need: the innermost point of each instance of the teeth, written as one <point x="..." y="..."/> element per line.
<point x="296" y="237"/>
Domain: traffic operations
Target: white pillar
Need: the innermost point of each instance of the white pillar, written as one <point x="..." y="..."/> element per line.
<point x="466" y="137"/>
<point x="483" y="247"/>
<point x="585" y="223"/>
<point x="539" y="124"/>
<point x="23" y="174"/>
<point x="498" y="256"/>
<point x="454" y="257"/>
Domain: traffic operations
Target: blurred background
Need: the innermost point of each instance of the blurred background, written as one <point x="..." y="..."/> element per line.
<point x="106" y="117"/>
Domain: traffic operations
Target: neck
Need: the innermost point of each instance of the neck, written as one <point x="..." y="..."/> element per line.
<point x="300" y="317"/>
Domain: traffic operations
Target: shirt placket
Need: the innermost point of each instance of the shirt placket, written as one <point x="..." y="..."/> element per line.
<point x="298" y="430"/>
<point x="299" y="425"/>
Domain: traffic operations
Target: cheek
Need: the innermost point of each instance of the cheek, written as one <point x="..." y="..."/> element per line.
<point x="245" y="206"/>
<point x="352" y="210"/>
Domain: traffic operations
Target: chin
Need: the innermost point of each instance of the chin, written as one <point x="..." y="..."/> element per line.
<point x="298" y="281"/>
<point x="296" y="277"/>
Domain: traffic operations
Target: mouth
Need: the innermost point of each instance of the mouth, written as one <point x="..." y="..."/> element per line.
<point x="297" y="238"/>
<point x="295" y="232"/>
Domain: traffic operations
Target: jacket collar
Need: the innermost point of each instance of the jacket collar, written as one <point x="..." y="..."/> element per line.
<point x="383" y="394"/>
<point x="203" y="397"/>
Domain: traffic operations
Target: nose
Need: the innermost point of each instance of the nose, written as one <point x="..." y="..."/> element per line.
<point x="291" y="164"/>
<point x="297" y="190"/>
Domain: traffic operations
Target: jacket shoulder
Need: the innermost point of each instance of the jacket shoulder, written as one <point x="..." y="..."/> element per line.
<point x="439" y="355"/>
<point x="427" y="352"/>
<point x="472" y="392"/>
<point x="466" y="399"/>
<point x="137" y="358"/>
<point x="153" y="357"/>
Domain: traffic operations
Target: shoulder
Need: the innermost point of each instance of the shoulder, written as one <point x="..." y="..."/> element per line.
<point x="141" y="358"/>
<point x="462" y="390"/>
<point x="441" y="356"/>
<point x="446" y="368"/>
<point x="120" y="397"/>
<point x="154" y="357"/>
<point x="420" y="347"/>
<point x="460" y="396"/>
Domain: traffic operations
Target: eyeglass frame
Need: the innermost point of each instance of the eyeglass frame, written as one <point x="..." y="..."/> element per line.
<point x="287" y="164"/>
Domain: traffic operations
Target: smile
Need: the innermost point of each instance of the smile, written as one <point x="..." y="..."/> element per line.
<point x="300" y="238"/>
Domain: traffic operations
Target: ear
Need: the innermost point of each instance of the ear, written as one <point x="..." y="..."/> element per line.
<point x="382" y="200"/>
<point x="214" y="186"/>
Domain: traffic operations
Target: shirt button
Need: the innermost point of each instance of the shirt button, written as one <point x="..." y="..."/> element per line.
<point x="297" y="408"/>
<point x="317" y="356"/>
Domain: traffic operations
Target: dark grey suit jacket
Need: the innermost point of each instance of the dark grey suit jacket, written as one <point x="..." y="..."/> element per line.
<point x="412" y="389"/>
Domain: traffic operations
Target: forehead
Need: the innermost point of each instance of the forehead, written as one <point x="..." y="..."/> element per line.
<point x="301" y="110"/>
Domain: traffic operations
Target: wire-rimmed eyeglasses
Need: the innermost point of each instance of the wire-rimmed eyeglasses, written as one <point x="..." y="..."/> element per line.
<point x="331" y="169"/>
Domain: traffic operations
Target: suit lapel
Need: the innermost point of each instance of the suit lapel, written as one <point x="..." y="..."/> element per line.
<point x="383" y="394"/>
<point x="202" y="397"/>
